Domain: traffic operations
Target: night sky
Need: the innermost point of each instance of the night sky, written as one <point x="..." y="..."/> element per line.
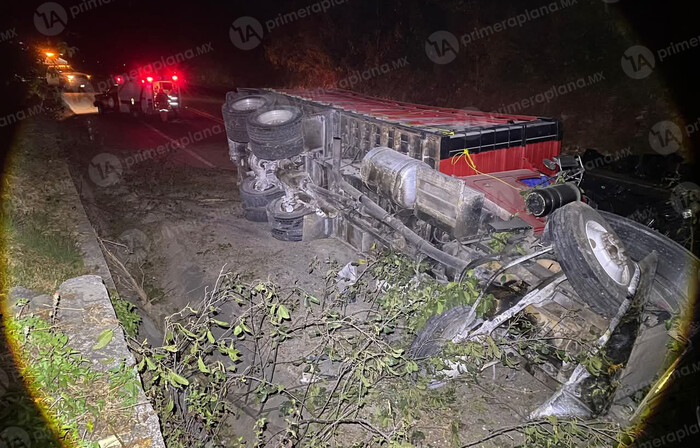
<point x="131" y="31"/>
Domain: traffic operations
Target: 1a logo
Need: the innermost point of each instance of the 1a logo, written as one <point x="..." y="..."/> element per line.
<point x="665" y="137"/>
<point x="246" y="33"/>
<point x="442" y="47"/>
<point x="50" y="18"/>
<point x="105" y="169"/>
<point x="14" y="437"/>
<point x="638" y="62"/>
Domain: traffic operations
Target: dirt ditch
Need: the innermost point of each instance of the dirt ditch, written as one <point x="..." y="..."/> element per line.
<point x="169" y="230"/>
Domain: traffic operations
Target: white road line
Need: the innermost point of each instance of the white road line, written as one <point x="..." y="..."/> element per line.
<point x="206" y="115"/>
<point x="178" y="145"/>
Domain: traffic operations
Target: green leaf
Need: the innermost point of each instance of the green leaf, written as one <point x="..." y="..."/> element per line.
<point x="169" y="407"/>
<point x="178" y="380"/>
<point x="494" y="348"/>
<point x="397" y="353"/>
<point x="202" y="367"/>
<point x="237" y="330"/>
<point x="149" y="363"/>
<point x="188" y="332"/>
<point x="103" y="339"/>
<point x="170" y="348"/>
<point x="221" y="323"/>
<point x="365" y="381"/>
<point x="411" y="367"/>
<point x="210" y="337"/>
<point x="283" y="312"/>
<point x="233" y="354"/>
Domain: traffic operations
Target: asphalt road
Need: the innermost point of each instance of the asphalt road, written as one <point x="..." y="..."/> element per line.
<point x="196" y="137"/>
<point x="166" y="195"/>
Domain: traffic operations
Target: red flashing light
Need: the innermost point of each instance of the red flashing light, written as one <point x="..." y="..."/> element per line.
<point x="174" y="77"/>
<point x="143" y="81"/>
<point x="119" y="79"/>
<point x="149" y="78"/>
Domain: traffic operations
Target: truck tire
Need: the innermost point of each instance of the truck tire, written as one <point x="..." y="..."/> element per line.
<point x="275" y="132"/>
<point x="236" y="111"/>
<point x="677" y="269"/>
<point x="231" y="96"/>
<point x="253" y="198"/>
<point x="592" y="256"/>
<point x="286" y="226"/>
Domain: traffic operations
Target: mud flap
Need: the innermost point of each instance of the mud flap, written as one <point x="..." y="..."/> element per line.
<point x="575" y="399"/>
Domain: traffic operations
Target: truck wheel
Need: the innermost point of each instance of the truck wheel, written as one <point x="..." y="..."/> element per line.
<point x="286" y="226"/>
<point x="252" y="198"/>
<point x="231" y="96"/>
<point x="236" y="111"/>
<point x="275" y="132"/>
<point x="592" y="256"/>
<point x="677" y="269"/>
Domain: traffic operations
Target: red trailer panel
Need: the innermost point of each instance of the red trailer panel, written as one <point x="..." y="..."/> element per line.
<point x="472" y="142"/>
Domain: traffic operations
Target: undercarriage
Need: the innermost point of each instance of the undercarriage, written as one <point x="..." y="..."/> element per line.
<point x="594" y="283"/>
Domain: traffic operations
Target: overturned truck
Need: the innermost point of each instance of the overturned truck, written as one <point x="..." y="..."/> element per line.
<point x="435" y="184"/>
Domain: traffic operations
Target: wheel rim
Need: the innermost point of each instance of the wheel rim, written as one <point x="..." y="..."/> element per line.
<point x="248" y="104"/>
<point x="261" y="187"/>
<point x="278" y="116"/>
<point x="282" y="209"/>
<point x="609" y="252"/>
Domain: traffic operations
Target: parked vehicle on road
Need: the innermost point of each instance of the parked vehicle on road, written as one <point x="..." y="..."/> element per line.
<point x="152" y="95"/>
<point x="472" y="192"/>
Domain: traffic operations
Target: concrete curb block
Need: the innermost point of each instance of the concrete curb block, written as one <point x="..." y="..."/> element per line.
<point x="84" y="311"/>
<point x="89" y="293"/>
<point x="87" y="239"/>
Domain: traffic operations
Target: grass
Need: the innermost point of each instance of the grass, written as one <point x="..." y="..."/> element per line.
<point x="38" y="216"/>
<point x="36" y="258"/>
<point x="77" y="400"/>
<point x="126" y="314"/>
<point x="38" y="222"/>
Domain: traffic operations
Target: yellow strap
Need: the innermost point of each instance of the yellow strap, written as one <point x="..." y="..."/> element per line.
<point x="472" y="165"/>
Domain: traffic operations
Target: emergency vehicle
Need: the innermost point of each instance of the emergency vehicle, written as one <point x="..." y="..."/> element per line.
<point x="75" y="88"/>
<point x="142" y="96"/>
